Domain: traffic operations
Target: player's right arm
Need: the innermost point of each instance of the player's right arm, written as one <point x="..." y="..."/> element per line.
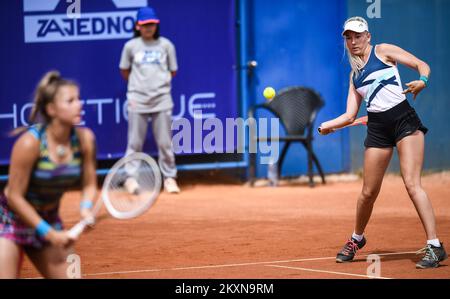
<point x="24" y="155"/>
<point x="353" y="103"/>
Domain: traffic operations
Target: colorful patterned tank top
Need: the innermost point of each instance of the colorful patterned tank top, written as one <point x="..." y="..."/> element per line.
<point x="49" y="180"/>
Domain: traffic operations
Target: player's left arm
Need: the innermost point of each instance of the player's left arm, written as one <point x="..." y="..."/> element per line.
<point x="396" y="54"/>
<point x="89" y="176"/>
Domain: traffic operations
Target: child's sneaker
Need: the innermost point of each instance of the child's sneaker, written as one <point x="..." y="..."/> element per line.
<point x="131" y="185"/>
<point x="171" y="186"/>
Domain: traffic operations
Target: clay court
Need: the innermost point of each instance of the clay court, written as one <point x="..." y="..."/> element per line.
<point x="219" y="228"/>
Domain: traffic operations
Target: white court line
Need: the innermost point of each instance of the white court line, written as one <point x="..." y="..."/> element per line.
<point x="325" y="271"/>
<point x="232" y="265"/>
<point x="208" y="267"/>
<point x="229" y="265"/>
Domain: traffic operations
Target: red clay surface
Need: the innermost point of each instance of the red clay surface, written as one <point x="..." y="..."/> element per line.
<point x="230" y="230"/>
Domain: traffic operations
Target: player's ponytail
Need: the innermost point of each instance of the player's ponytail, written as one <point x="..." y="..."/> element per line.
<point x="43" y="95"/>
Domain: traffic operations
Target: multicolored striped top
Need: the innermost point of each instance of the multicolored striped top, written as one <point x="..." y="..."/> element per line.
<point x="49" y="180"/>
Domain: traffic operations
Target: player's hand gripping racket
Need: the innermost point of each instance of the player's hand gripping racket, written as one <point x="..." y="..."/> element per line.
<point x="130" y="188"/>
<point x="362" y="121"/>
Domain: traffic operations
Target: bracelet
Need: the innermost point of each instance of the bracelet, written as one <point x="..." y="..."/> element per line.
<point x="43" y="228"/>
<point x="424" y="79"/>
<point x="86" y="204"/>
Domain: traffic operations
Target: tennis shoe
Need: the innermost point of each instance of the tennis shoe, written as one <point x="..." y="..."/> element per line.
<point x="433" y="255"/>
<point x="131" y="185"/>
<point x="348" y="252"/>
<point x="171" y="186"/>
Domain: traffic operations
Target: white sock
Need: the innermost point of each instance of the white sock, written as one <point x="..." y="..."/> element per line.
<point x="434" y="242"/>
<point x="357" y="237"/>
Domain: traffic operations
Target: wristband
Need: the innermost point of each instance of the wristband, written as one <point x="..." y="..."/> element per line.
<point x="86" y="204"/>
<point x="43" y="228"/>
<point x="424" y="79"/>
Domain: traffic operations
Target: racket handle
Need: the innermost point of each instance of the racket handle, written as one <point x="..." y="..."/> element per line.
<point x="76" y="231"/>
<point x="319" y="129"/>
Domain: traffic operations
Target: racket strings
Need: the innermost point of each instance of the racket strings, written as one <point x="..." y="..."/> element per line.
<point x="147" y="186"/>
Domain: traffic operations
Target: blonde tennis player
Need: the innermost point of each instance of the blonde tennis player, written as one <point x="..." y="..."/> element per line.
<point x="392" y="122"/>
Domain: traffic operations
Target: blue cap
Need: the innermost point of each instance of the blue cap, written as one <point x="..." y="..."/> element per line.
<point x="146" y="15"/>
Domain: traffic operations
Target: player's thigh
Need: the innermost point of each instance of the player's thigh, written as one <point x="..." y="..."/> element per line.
<point x="376" y="161"/>
<point x="10" y="258"/>
<point x="51" y="261"/>
<point x="410" y="153"/>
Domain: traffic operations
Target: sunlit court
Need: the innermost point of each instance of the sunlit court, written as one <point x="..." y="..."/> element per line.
<point x="291" y="231"/>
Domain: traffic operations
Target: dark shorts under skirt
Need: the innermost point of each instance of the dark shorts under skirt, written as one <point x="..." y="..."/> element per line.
<point x="385" y="129"/>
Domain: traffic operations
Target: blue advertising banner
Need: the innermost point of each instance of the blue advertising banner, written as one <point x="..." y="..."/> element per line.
<point x="83" y="39"/>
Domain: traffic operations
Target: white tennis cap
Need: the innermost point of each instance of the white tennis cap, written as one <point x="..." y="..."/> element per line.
<point x="356" y="24"/>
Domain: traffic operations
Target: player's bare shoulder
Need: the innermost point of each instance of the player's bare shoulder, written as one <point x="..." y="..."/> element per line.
<point x="384" y="48"/>
<point x="28" y="141"/>
<point x="384" y="52"/>
<point x="27" y="145"/>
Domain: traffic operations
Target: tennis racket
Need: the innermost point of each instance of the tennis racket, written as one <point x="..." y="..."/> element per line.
<point x="130" y="188"/>
<point x="361" y="121"/>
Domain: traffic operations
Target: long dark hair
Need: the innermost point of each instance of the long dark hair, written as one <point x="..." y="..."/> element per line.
<point x="137" y="33"/>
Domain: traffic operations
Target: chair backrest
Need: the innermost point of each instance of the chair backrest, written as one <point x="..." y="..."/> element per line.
<point x="296" y="107"/>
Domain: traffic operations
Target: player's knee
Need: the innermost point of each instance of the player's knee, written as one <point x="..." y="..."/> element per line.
<point x="412" y="186"/>
<point x="368" y="195"/>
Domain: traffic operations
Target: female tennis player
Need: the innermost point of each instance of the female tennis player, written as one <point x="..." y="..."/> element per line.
<point x="50" y="157"/>
<point x="392" y="122"/>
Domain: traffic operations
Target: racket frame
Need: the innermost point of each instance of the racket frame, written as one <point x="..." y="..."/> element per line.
<point x="78" y="228"/>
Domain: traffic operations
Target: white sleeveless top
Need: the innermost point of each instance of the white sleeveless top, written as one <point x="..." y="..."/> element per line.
<point x="379" y="84"/>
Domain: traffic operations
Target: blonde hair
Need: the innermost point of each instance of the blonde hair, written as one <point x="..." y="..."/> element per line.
<point x="44" y="94"/>
<point x="356" y="62"/>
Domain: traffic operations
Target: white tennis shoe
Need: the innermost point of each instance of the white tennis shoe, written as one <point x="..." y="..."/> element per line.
<point x="171" y="186"/>
<point x="131" y="185"/>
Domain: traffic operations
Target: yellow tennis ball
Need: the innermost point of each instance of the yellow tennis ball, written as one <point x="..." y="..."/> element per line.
<point x="269" y="93"/>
